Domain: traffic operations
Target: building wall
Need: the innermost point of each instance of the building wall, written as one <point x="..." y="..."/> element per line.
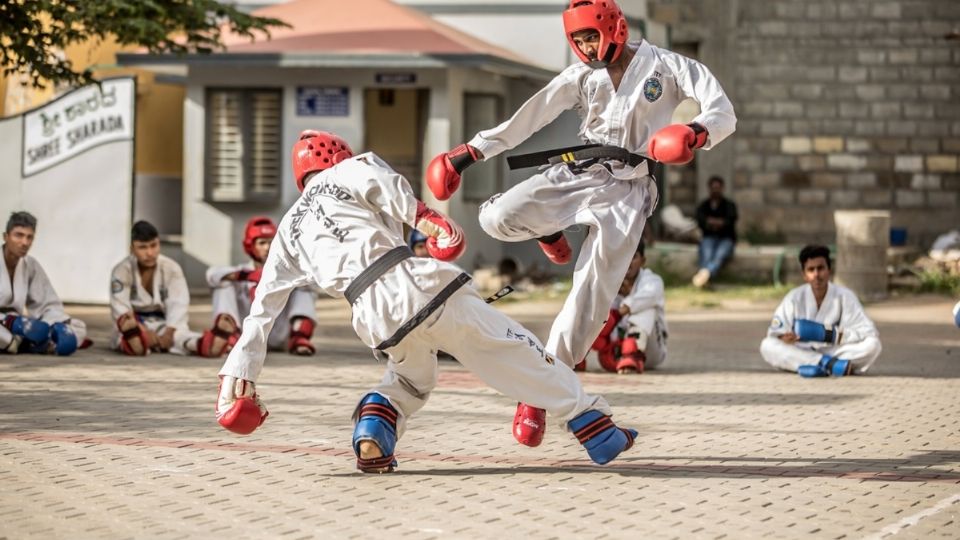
<point x="844" y="104"/>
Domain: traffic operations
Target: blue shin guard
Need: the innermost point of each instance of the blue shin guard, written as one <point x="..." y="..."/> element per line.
<point x="376" y="422"/>
<point x="600" y="436"/>
<point x="827" y="366"/>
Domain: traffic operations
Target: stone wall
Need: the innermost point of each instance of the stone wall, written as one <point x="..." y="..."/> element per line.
<point x="841" y="104"/>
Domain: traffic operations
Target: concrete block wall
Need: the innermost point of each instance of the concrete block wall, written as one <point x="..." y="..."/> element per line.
<point x="841" y="104"/>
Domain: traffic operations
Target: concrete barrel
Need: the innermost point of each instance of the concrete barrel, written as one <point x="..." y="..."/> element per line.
<point x="862" y="240"/>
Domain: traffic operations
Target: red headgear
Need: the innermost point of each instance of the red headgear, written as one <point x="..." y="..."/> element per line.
<point x="317" y="151"/>
<point x="257" y="227"/>
<point x="603" y="16"/>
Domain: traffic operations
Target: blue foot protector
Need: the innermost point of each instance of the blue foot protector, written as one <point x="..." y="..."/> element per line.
<point x="376" y="422"/>
<point x="600" y="436"/>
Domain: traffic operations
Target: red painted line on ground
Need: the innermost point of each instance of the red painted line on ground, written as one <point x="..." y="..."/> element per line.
<point x="723" y="470"/>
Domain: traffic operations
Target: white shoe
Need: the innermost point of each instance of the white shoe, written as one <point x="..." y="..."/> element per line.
<point x="701" y="278"/>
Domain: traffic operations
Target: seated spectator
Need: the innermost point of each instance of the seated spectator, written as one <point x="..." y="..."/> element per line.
<point x="634" y="337"/>
<point x="149" y="299"/>
<point x="717" y="218"/>
<point x="32" y="318"/>
<point x="820" y="329"/>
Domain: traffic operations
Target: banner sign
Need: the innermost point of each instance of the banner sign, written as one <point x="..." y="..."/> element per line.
<point x="76" y="122"/>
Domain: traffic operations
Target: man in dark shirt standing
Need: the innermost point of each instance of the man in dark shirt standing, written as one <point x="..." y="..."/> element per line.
<point x="717" y="218"/>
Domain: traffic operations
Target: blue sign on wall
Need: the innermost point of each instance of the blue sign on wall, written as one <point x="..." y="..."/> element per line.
<point x="323" y="101"/>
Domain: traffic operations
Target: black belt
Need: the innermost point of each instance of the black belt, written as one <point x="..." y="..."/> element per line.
<point x="422" y="315"/>
<point x="573" y="154"/>
<point x="374" y="271"/>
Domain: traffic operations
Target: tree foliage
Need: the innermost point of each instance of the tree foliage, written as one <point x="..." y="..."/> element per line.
<point x="33" y="33"/>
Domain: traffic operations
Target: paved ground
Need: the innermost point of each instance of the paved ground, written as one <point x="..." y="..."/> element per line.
<point x="101" y="446"/>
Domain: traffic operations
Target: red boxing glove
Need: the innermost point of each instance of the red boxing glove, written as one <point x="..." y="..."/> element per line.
<point x="445" y="240"/>
<point x="239" y="408"/>
<point x="674" y="144"/>
<point x="443" y="173"/>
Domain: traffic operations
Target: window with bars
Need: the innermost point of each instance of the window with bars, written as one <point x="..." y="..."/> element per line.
<point x="243" y="145"/>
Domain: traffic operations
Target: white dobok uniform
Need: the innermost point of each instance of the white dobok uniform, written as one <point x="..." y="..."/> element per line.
<point x="647" y="317"/>
<point x="352" y="215"/>
<point x="233" y="298"/>
<point x="841" y="311"/>
<point x="165" y="306"/>
<point x="31" y="294"/>
<point x="613" y="203"/>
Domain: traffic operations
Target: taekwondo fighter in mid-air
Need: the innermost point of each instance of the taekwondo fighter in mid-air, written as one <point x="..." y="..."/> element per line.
<point x="149" y="299"/>
<point x="625" y="93"/>
<point x="345" y="236"/>
<point x="820" y="329"/>
<point x="233" y="288"/>
<point x="32" y="319"/>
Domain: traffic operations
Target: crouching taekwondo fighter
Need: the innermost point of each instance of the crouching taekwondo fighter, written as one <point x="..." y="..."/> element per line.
<point x="345" y="235"/>
<point x="625" y="93"/>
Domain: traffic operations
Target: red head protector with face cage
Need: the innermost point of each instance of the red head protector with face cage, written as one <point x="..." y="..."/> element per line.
<point x="317" y="151"/>
<point x="257" y="227"/>
<point x="602" y="16"/>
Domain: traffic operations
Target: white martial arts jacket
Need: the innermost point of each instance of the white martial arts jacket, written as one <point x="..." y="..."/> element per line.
<point x="840" y="310"/>
<point x="347" y="217"/>
<point x="655" y="82"/>
<point x="647" y="293"/>
<point x="32" y="293"/>
<point x="169" y="296"/>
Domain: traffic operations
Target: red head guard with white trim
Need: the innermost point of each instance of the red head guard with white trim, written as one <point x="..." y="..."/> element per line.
<point x="606" y="18"/>
<point x="317" y="151"/>
<point x="257" y="227"/>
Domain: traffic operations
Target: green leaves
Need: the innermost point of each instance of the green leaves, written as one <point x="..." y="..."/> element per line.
<point x="34" y="33"/>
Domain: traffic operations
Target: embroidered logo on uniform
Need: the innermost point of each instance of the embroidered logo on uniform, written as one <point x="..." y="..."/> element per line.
<point x="652" y="89"/>
<point x="116" y="286"/>
<point x="776" y="324"/>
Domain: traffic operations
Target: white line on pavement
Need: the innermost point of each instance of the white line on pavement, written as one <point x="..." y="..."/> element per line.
<point x="910" y="521"/>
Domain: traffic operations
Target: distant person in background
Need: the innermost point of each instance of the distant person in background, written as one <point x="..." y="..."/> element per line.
<point x="820" y="329"/>
<point x="634" y="338"/>
<point x="32" y="318"/>
<point x="418" y="243"/>
<point x="232" y="289"/>
<point x="149" y="299"/>
<point x="717" y="219"/>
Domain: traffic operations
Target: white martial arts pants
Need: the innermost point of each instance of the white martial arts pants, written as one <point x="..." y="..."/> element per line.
<point x="232" y="298"/>
<point x="652" y="340"/>
<point x="184" y="339"/>
<point x="614" y="210"/>
<point x="79" y="329"/>
<point x="789" y="357"/>
<point x="500" y="351"/>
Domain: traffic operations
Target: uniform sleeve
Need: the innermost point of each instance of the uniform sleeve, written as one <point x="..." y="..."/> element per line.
<point x="279" y="279"/>
<point x="178" y="299"/>
<point x="561" y="94"/>
<point x="854" y="323"/>
<point x="121" y="283"/>
<point x="782" y="318"/>
<point x="648" y="294"/>
<point x="716" y="112"/>
<point x="389" y="193"/>
<point x="215" y="274"/>
<point x="42" y="300"/>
